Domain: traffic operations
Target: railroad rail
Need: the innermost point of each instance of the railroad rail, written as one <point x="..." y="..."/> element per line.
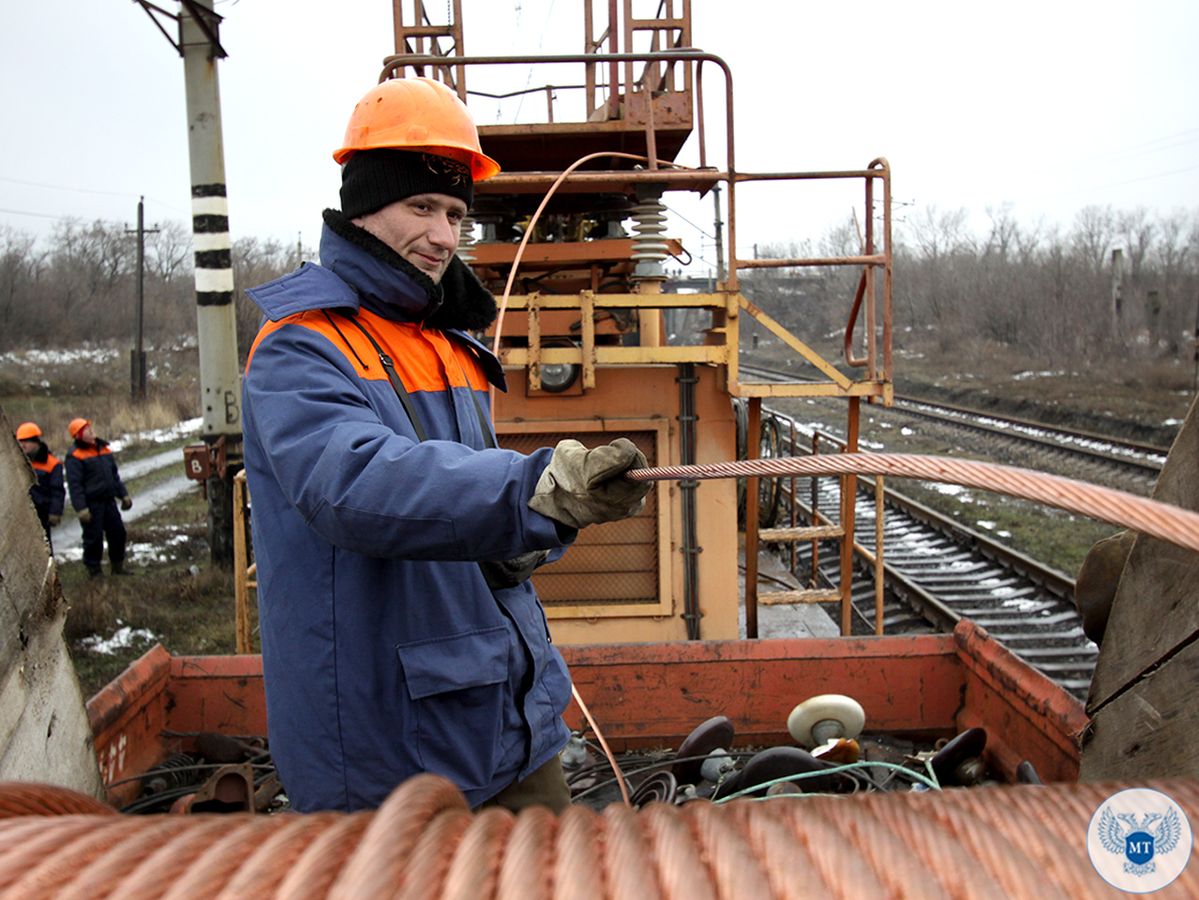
<point x="1128" y="464"/>
<point x="936" y="572"/>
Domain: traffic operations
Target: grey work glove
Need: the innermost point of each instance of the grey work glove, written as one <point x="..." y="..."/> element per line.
<point x="85" y="516"/>
<point x="506" y="573"/>
<point x="126" y="502"/>
<point x="582" y="487"/>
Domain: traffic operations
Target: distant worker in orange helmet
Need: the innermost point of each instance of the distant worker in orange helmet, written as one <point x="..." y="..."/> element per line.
<point x="393" y="538"/>
<point x="47" y="493"/>
<point x="96" y="487"/>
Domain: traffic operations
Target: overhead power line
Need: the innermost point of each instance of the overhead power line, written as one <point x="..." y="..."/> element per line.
<point x="77" y="190"/>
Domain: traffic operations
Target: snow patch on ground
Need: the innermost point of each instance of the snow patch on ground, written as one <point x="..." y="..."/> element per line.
<point x="123" y="638"/>
<point x="86" y="353"/>
<point x="186" y="428"/>
<point x="1024" y="376"/>
<point x="951" y="490"/>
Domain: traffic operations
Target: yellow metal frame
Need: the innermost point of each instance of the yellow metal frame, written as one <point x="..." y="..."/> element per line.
<point x="726" y="307"/>
<point x="245" y="573"/>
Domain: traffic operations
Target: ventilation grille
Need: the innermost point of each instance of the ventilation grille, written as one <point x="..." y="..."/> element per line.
<point x="613" y="563"/>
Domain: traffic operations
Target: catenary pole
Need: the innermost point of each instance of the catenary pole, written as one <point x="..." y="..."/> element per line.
<point x="220" y="395"/>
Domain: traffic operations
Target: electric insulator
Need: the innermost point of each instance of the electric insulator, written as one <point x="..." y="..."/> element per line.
<point x="466" y="241"/>
<point x="649" y="247"/>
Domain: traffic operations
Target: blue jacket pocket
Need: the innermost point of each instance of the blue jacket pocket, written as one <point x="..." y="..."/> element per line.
<point x="468" y="660"/>
<point x="458" y="688"/>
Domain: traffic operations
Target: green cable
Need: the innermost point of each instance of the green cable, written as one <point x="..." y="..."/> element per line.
<point x="930" y="783"/>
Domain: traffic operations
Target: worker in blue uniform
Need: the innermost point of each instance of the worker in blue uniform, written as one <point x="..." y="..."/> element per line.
<point x="48" y="492"/>
<point x="393" y="539"/>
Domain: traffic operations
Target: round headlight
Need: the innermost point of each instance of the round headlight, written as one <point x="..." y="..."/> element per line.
<point x="558" y="377"/>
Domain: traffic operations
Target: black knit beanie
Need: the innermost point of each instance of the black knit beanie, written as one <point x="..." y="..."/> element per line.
<point x="372" y="179"/>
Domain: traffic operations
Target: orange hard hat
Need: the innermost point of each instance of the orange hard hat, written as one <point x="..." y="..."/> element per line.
<point x="76" y="426"/>
<point x="27" y="431"/>
<point x="416" y="114"/>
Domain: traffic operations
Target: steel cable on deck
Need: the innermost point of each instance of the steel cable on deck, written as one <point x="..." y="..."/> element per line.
<point x="1010" y="841"/>
<point x="1161" y="520"/>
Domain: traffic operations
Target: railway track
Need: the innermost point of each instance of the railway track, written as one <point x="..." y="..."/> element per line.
<point x="937" y="572"/>
<point x="1103" y="459"/>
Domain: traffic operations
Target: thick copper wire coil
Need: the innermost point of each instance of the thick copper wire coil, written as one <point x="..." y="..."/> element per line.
<point x="31" y="799"/>
<point x="1161" y="520"/>
<point x="1024" y="841"/>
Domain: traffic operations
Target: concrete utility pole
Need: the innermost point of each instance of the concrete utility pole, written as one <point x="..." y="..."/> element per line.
<point x="220" y="390"/>
<point x="137" y="356"/>
<point x="1117" y="289"/>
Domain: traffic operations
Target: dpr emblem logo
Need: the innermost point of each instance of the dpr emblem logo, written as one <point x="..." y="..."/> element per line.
<point x="1139" y="840"/>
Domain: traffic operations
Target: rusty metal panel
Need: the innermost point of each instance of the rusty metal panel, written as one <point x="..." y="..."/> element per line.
<point x="654" y="694"/>
<point x="1027" y="715"/>
<point x="614" y="563"/>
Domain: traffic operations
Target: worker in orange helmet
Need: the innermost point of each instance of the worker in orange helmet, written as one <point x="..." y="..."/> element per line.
<point x="47" y="493"/>
<point x="96" y="487"/>
<point x="393" y="538"/>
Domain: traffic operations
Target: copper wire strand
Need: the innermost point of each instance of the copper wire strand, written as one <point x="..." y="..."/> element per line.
<point x="578" y="865"/>
<point x="995" y="848"/>
<point x="620" y="779"/>
<point x="129" y="870"/>
<point x="474" y="870"/>
<point x="526" y="872"/>
<point x="674" y="850"/>
<point x="898" y="861"/>
<point x="311" y="876"/>
<point x="38" y="841"/>
<point x="737" y="870"/>
<point x="631" y="872"/>
<point x="1012" y="841"/>
<point x="48" y="876"/>
<point x="788" y="862"/>
<point x="214" y="868"/>
<point x="806" y="825"/>
<point x="427" y="868"/>
<point x="30" y="798"/>
<point x="376" y="866"/>
<point x="261" y="874"/>
<point x="1161" y="520"/>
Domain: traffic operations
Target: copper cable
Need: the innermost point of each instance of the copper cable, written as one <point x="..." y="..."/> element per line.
<point x="312" y="876"/>
<point x="629" y="872"/>
<point x="33" y="799"/>
<point x="161" y="849"/>
<point x="46" y="877"/>
<point x="621" y="781"/>
<point x="527" y="868"/>
<point x="1015" y="841"/>
<point x="1161" y="520"/>
<point x="263" y="872"/>
<point x="474" y="871"/>
<point x="578" y="864"/>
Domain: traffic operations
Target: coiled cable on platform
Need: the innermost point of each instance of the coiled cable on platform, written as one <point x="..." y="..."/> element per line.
<point x="1161" y="520"/>
<point x="1022" y="841"/>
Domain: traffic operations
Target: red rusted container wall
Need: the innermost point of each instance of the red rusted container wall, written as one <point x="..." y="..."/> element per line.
<point x="653" y="695"/>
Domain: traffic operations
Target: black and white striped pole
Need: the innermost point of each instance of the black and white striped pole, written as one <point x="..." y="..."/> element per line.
<point x="220" y="388"/>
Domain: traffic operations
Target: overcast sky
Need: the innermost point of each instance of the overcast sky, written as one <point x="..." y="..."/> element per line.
<point x="1045" y="107"/>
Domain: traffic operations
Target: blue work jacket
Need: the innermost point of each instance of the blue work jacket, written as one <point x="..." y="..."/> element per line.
<point x="385" y="652"/>
<point x="92" y="475"/>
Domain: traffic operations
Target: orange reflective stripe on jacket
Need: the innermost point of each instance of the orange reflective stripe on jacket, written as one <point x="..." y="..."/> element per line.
<point x="424" y="358"/>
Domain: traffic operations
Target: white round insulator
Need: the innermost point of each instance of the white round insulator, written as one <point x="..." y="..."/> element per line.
<point x="825" y="717"/>
<point x="717" y="765"/>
